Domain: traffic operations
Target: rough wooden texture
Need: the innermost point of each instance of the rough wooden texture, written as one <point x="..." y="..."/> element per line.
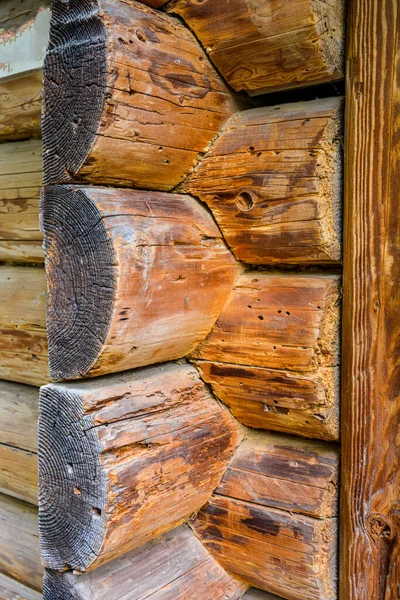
<point x="173" y="567"/>
<point x="125" y="458"/>
<point x="254" y="594"/>
<point x="148" y="272"/>
<point x="24" y="28"/>
<point x="19" y="473"/>
<point x="19" y="542"/>
<point x="154" y="3"/>
<point x="273" y="181"/>
<point x="23" y="340"/>
<point x="10" y="589"/>
<point x="272" y="355"/>
<point x="20" y="181"/>
<point x="370" y="535"/>
<point x="129" y="96"/>
<point x="272" y="519"/>
<point x="267" y="46"/>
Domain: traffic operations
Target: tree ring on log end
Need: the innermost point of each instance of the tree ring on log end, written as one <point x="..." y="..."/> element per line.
<point x="80" y="274"/>
<point x="56" y="586"/>
<point x="74" y="89"/>
<point x="72" y="494"/>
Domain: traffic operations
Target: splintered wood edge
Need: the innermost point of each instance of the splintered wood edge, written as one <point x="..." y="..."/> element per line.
<point x="72" y="488"/>
<point x="75" y="80"/>
<point x="80" y="279"/>
<point x="330" y="24"/>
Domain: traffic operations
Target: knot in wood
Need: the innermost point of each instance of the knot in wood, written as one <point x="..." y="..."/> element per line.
<point x="380" y="527"/>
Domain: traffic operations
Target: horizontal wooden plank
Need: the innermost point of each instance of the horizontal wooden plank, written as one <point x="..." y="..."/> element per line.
<point x="175" y="566"/>
<point x="132" y="456"/>
<point x="19" y="473"/>
<point x="23" y="339"/>
<point x="273" y="353"/>
<point x="19" y="413"/>
<point x="19" y="542"/>
<point x="10" y="589"/>
<point x="150" y="273"/>
<point x="273" y="181"/>
<point x="268" y="46"/>
<point x="254" y="594"/>
<point x="20" y="181"/>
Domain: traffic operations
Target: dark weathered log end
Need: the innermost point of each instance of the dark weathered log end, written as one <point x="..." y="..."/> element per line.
<point x="55" y="586"/>
<point x="72" y="492"/>
<point x="75" y="80"/>
<point x="79" y="268"/>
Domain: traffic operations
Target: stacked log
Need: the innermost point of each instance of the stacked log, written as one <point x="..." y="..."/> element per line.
<point x="11" y="589"/>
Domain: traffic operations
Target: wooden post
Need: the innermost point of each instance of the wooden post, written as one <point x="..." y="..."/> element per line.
<point x="273" y="181"/>
<point x="149" y="274"/>
<point x="129" y="96"/>
<point x="370" y="534"/>
<point x="268" y="46"/>
<point x="173" y="567"/>
<point x="272" y="520"/>
<point x="124" y="459"/>
<point x="273" y="353"/>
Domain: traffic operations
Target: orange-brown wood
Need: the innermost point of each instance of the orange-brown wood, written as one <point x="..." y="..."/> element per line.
<point x="23" y="339"/>
<point x="143" y="101"/>
<point x="21" y="106"/>
<point x="19" y="473"/>
<point x="149" y="273"/>
<point x="273" y="181"/>
<point x="174" y="567"/>
<point x="272" y="519"/>
<point x="370" y="534"/>
<point x="19" y="542"/>
<point x="124" y="459"/>
<point x="272" y="355"/>
<point x="20" y="181"/>
<point x="273" y="45"/>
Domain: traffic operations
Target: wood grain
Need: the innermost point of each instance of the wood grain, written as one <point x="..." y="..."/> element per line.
<point x="20" y="181"/>
<point x="23" y="339"/>
<point x="273" y="353"/>
<point x="19" y="473"/>
<point x="10" y="589"/>
<point x="131" y="105"/>
<point x="273" y="181"/>
<point x="268" y="46"/>
<point x="124" y="459"/>
<point x="370" y="535"/>
<point x="148" y="271"/>
<point x="254" y="594"/>
<point x="173" y="567"/>
<point x="19" y="542"/>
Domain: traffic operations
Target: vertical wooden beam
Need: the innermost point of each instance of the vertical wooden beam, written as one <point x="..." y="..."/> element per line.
<point x="370" y="542"/>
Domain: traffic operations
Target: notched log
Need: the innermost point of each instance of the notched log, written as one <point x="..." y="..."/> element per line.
<point x="129" y="96"/>
<point x="124" y="459"/>
<point x="267" y="46"/>
<point x="134" y="278"/>
<point x="273" y="181"/>
<point x="273" y="353"/>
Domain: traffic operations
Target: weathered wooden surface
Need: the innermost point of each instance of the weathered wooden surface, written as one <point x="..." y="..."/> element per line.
<point x="173" y="567"/>
<point x="267" y="46"/>
<point x="124" y="459"/>
<point x="254" y="594"/>
<point x="23" y="340"/>
<point x="370" y="535"/>
<point x="19" y="473"/>
<point x="272" y="355"/>
<point x="129" y="96"/>
<point x="154" y="3"/>
<point x="10" y="589"/>
<point x="24" y="28"/>
<point x="20" y="181"/>
<point x="272" y="521"/>
<point x="273" y="181"/>
<point x="149" y="271"/>
<point x="19" y="542"/>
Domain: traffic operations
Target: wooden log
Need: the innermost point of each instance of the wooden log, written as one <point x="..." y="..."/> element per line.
<point x="175" y="566"/>
<point x="23" y="340"/>
<point x="370" y="501"/>
<point x="286" y="552"/>
<point x="20" y="181"/>
<point x="19" y="542"/>
<point x="272" y="356"/>
<point x="124" y="459"/>
<point x="148" y="273"/>
<point x="272" y="180"/>
<point x="129" y="96"/>
<point x="267" y="46"/>
<point x="154" y="3"/>
<point x="254" y="594"/>
<point x="10" y="589"/>
<point x="19" y="411"/>
<point x="24" y="31"/>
